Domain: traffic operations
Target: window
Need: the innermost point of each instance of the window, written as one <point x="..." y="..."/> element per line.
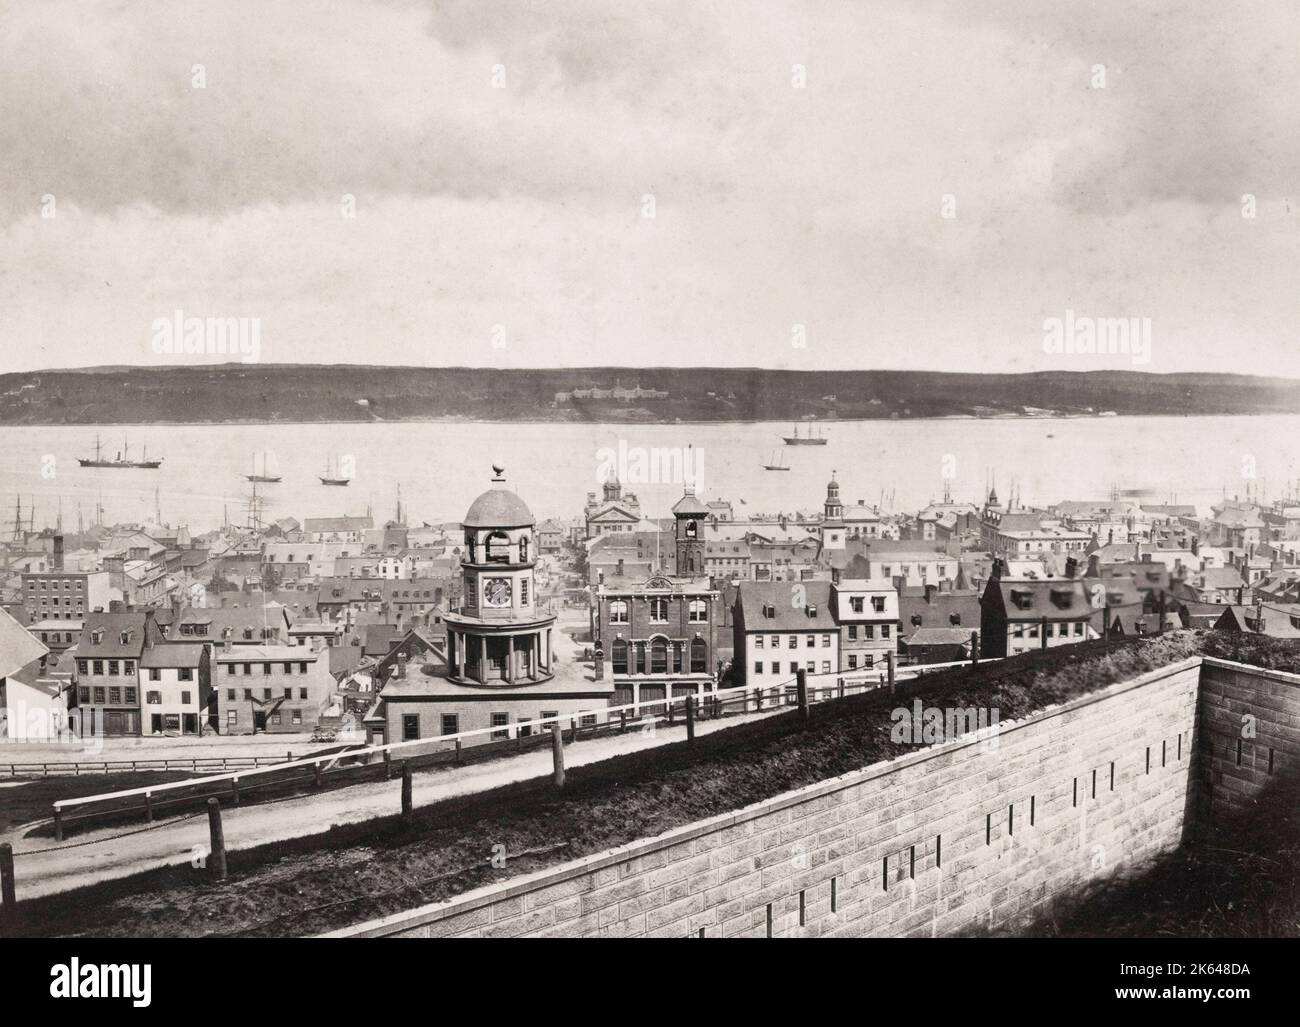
<point x="99" y="666"/>
<point x="248" y="693"/>
<point x="758" y="666"/>
<point x="1078" y="627"/>
<point x="266" y="668"/>
<point x="230" y="668"/>
<point x="302" y="667"/>
<point x="793" y="642"/>
<point x="853" y="661"/>
<point x="99" y="694"/>
<point x="618" y="611"/>
<point x="699" y="656"/>
<point x="297" y="716"/>
<point x="826" y="641"/>
<point x="450" y="724"/>
<point x="884" y="631"/>
<point x="130" y="695"/>
<point x="155" y="674"/>
<point x="826" y="666"/>
<point x="698" y="611"/>
<point x="232" y="716"/>
<point x="659" y="609"/>
<point x="811" y="667"/>
<point x="758" y="641"/>
<point x="230" y="695"/>
<point x="248" y="669"/>
<point x="810" y="640"/>
<point x="275" y="718"/>
<point x="302" y="693"/>
<point x="619" y="656"/>
<point x="128" y="667"/>
<point x="776" y="667"/>
<point x="878" y="604"/>
<point x="83" y="694"/>
<point x="288" y="668"/>
<point x="868" y="631"/>
<point x="81" y="666"/>
<point x="523" y="591"/>
<point x="114" y="695"/>
<point x="185" y="674"/>
<point x="501" y="720"/>
<point x="659" y="656"/>
<point x="185" y="698"/>
<point x="153" y="698"/>
<point x="868" y="660"/>
<point x="794" y="667"/>
<point x="288" y="693"/>
<point x="113" y="668"/>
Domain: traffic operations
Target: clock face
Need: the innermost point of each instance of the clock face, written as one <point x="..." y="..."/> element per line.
<point x="496" y="591"/>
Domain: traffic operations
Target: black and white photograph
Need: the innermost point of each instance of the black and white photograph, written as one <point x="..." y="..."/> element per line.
<point x="593" y="469"/>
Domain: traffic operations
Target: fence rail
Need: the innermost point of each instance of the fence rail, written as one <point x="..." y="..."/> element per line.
<point x="361" y="763"/>
<point x="194" y="764"/>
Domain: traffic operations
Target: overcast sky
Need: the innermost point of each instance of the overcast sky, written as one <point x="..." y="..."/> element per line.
<point x="774" y="206"/>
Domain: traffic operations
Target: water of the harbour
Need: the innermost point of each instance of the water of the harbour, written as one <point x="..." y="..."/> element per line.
<point x="441" y="466"/>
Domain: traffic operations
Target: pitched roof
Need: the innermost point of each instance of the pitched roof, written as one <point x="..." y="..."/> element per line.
<point x="759" y="598"/>
<point x="18" y="646"/>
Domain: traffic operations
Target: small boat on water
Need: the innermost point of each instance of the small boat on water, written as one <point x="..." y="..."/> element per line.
<point x="264" y="476"/>
<point x="809" y="439"/>
<point x="332" y="476"/>
<point x="776" y="462"/>
<point x="122" y="460"/>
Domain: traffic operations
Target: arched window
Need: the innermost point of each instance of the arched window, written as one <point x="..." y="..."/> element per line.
<point x="698" y="611"/>
<point x="618" y="611"/>
<point x="659" y="656"/>
<point x="523" y="549"/>
<point x="699" y="658"/>
<point x="498" y="547"/>
<point x="619" y="659"/>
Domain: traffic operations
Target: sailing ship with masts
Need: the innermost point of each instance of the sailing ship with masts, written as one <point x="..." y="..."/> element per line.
<point x="265" y="476"/>
<point x="333" y="475"/>
<point x="776" y="462"/>
<point x="122" y="460"/>
<point x="809" y="438"/>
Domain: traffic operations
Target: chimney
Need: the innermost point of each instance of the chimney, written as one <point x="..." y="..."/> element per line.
<point x="996" y="572"/>
<point x="930" y="592"/>
<point x="58" y="553"/>
<point x="600" y="664"/>
<point x="1071" y="567"/>
<point x="401" y="665"/>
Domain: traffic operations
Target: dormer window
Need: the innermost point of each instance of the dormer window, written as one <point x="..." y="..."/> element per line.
<point x="1022" y="598"/>
<point x="1062" y="597"/>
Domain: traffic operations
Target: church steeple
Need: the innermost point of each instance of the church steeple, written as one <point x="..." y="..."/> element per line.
<point x="690" y="514"/>
<point x="834" y="509"/>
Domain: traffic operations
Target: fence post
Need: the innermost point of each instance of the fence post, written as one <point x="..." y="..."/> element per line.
<point x="58" y="824"/>
<point x="8" y="901"/>
<point x="622" y="722"/>
<point x="974" y="648"/>
<point x="217" y="854"/>
<point x="801" y="690"/>
<point x="407" y="804"/>
<point x="458" y="752"/>
<point x="758" y="700"/>
<point x="316" y="775"/>
<point x="234" y="788"/>
<point x="388" y="765"/>
<point x="889" y="667"/>
<point x="573" y="730"/>
<point x="840" y="682"/>
<point x="690" y="718"/>
<point x="148" y="806"/>
<point x="557" y="753"/>
<point x="1042" y="633"/>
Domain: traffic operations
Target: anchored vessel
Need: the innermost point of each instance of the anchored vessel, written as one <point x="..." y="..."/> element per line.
<point x="808" y="439"/>
<point x="332" y="477"/>
<point x="264" y="476"/>
<point x="120" y="461"/>
<point x="776" y="463"/>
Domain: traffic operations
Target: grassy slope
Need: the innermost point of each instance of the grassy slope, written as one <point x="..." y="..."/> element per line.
<point x="380" y="867"/>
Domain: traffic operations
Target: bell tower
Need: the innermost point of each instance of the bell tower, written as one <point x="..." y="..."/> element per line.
<point x="689" y="515"/>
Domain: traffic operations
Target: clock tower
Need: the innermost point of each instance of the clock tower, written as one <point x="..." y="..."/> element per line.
<point x="499" y="636"/>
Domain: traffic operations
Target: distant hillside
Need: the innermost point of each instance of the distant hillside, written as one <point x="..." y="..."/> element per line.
<point x="285" y="392"/>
